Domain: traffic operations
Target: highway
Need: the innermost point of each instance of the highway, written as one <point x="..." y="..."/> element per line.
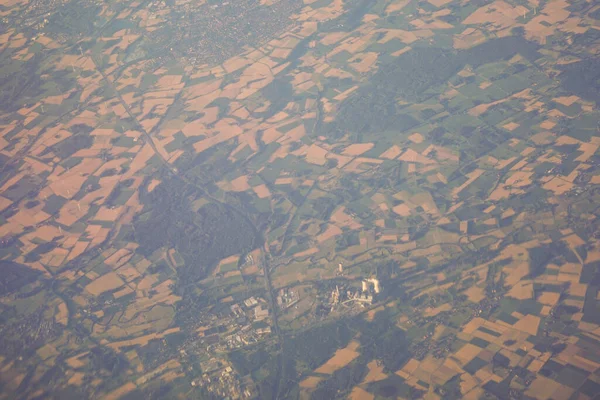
<point x="264" y="256"/>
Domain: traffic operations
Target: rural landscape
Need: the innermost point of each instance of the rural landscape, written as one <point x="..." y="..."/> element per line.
<point x="300" y="199"/>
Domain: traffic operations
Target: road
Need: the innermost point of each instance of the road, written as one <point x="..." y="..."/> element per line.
<point x="274" y="316"/>
<point x="264" y="254"/>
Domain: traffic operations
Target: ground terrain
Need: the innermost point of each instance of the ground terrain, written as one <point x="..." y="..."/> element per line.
<point x="192" y="193"/>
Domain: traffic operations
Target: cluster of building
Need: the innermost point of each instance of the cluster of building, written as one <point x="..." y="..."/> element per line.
<point x="364" y="296"/>
<point x="439" y="348"/>
<point x="214" y="32"/>
<point x="366" y="284"/>
<point x="247" y="323"/>
<point x="223" y="382"/>
<point x="239" y="325"/>
<point x="287" y="298"/>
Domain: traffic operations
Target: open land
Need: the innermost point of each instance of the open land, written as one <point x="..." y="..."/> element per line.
<point x="292" y="199"/>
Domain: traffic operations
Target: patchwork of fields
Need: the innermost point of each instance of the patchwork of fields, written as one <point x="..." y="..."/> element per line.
<point x="191" y="193"/>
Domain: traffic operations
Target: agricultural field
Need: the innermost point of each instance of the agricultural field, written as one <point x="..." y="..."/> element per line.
<point x="300" y="199"/>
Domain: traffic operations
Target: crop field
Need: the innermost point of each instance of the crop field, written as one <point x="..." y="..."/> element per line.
<point x="167" y="169"/>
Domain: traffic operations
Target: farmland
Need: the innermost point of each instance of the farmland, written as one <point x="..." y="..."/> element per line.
<point x="299" y="199"/>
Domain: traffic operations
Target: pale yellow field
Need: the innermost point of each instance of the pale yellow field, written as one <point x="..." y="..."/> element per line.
<point x="106" y="282"/>
<point x="340" y="359"/>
